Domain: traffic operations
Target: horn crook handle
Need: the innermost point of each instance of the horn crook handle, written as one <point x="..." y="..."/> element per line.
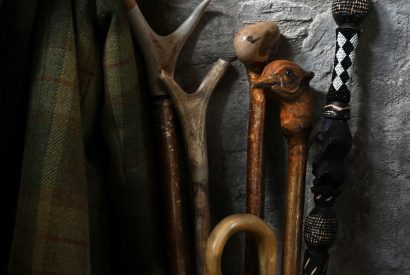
<point x="263" y="234"/>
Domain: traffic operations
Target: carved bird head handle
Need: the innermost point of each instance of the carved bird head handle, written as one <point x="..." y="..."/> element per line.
<point x="289" y="85"/>
<point x="284" y="79"/>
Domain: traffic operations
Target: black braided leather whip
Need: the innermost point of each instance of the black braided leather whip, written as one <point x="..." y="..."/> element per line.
<point x="335" y="139"/>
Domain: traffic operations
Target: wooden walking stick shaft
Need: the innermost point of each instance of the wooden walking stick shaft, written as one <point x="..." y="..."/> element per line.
<point x="254" y="178"/>
<point x="265" y="238"/>
<point x="289" y="86"/>
<point x="253" y="45"/>
<point x="170" y="181"/>
<point x="294" y="206"/>
<point x="255" y="187"/>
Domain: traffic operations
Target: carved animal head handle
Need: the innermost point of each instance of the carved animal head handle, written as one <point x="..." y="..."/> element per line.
<point x="289" y="85"/>
<point x="263" y="234"/>
<point x="254" y="43"/>
<point x="284" y="78"/>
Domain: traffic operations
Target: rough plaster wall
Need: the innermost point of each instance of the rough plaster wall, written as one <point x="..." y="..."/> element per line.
<point x="374" y="209"/>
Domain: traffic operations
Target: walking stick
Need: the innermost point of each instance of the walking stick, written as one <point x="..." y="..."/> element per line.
<point x="191" y="108"/>
<point x="161" y="53"/>
<point x="253" y="45"/>
<point x="289" y="86"/>
<point x="263" y="234"/>
<point x="335" y="138"/>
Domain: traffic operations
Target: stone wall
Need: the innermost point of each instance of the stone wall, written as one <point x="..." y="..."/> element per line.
<point x="374" y="208"/>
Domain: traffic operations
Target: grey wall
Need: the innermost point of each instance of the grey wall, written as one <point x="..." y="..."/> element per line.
<point x="373" y="210"/>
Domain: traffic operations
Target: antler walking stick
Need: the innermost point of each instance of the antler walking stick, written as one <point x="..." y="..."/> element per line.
<point x="335" y="138"/>
<point x="289" y="85"/>
<point x="191" y="108"/>
<point x="253" y="45"/>
<point x="263" y="234"/>
<point x="161" y="53"/>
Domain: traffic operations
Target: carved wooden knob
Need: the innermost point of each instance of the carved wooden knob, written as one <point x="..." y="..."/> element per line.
<point x="254" y="43"/>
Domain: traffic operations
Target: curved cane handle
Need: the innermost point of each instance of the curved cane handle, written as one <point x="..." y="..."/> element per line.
<point x="263" y="234"/>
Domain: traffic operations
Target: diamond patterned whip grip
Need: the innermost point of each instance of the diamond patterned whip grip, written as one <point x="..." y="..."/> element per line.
<point x="338" y="97"/>
<point x="335" y="139"/>
<point x="347" y="41"/>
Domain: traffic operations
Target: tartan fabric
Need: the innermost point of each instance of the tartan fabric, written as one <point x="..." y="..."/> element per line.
<point x="86" y="183"/>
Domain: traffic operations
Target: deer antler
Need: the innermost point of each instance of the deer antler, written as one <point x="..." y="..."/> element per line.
<point x="191" y="108"/>
<point x="161" y="52"/>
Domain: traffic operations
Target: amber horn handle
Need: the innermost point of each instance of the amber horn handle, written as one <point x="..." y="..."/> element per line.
<point x="263" y="234"/>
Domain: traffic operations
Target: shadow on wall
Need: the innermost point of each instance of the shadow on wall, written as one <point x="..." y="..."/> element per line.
<point x="152" y="10"/>
<point x="221" y="193"/>
<point x="190" y="79"/>
<point x="354" y="207"/>
<point x="284" y="49"/>
<point x="220" y="182"/>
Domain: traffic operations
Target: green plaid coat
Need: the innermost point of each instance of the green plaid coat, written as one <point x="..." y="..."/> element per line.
<point x="86" y="203"/>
